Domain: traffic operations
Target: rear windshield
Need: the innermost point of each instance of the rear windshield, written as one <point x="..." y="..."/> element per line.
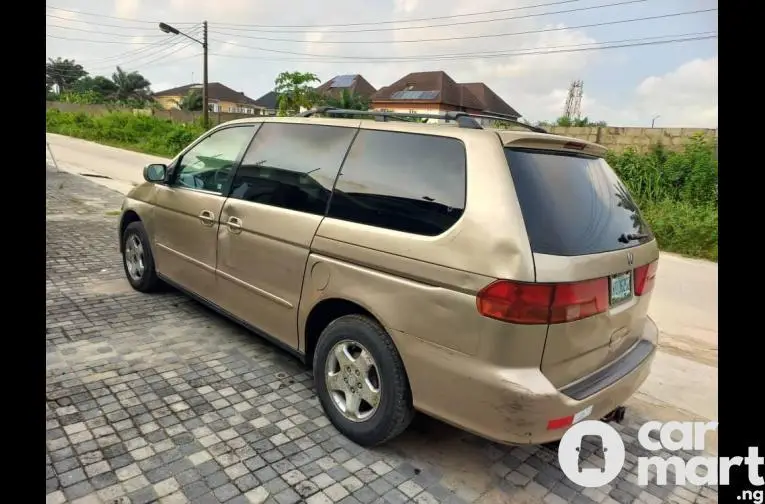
<point x="574" y="204"/>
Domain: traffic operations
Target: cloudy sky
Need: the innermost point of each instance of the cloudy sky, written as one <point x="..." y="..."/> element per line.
<point x="528" y="51"/>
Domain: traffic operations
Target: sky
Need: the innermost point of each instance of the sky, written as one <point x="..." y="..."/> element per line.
<point x="527" y="51"/>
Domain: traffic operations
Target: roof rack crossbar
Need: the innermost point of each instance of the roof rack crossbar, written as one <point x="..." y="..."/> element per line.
<point x="507" y="120"/>
<point x="463" y="119"/>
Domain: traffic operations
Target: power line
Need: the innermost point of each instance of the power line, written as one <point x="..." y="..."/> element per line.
<point x="478" y="56"/>
<point x="149" y="64"/>
<point x="83" y="13"/>
<point x="482" y="53"/>
<point x="135" y="62"/>
<point x="93" y="23"/>
<point x="473" y="37"/>
<point x="99" y="41"/>
<point x="396" y="21"/>
<point x="132" y="35"/>
<point x="169" y="40"/>
<point x="458" y="23"/>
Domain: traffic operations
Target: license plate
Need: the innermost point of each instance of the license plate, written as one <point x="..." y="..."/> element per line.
<point x="621" y="287"/>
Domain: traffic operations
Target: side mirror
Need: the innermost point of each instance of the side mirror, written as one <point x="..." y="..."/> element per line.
<point x="155" y="172"/>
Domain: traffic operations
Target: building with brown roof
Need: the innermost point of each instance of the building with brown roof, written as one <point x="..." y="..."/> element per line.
<point x="354" y="83"/>
<point x="220" y="98"/>
<point x="490" y="101"/>
<point x="436" y="92"/>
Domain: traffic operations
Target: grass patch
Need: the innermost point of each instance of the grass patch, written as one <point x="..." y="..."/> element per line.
<point x="676" y="193"/>
<point x="146" y="134"/>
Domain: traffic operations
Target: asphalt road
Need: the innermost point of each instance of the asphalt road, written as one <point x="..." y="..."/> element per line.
<point x="683" y="383"/>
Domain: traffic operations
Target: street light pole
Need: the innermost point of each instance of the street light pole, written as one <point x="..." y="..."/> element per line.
<point x="175" y="31"/>
<point x="205" y="97"/>
<point x="653" y="121"/>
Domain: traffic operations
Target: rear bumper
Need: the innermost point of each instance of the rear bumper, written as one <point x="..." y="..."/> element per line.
<point x="514" y="406"/>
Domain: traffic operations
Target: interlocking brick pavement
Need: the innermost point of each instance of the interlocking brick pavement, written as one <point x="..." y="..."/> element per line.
<point x="154" y="398"/>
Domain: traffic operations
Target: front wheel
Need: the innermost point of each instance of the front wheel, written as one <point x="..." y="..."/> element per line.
<point x="361" y="381"/>
<point x="138" y="259"/>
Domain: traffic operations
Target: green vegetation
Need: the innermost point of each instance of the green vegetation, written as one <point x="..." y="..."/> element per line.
<point x="67" y="81"/>
<point x="676" y="191"/>
<point x="677" y="194"/>
<point x="148" y="134"/>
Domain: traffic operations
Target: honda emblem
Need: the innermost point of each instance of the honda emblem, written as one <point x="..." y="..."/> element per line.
<point x="630" y="258"/>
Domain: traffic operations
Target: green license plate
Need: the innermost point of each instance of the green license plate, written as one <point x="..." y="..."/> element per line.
<point x="621" y="287"/>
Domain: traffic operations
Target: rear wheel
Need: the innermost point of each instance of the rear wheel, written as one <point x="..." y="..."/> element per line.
<point x="138" y="259"/>
<point x="361" y="381"/>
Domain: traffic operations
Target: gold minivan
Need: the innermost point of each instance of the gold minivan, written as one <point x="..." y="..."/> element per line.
<point x="498" y="280"/>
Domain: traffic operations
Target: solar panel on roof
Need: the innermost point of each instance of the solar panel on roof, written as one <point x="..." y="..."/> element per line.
<point x="343" y="81"/>
<point x="414" y="95"/>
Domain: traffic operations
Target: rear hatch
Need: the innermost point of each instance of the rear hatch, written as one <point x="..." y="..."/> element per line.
<point x="594" y="254"/>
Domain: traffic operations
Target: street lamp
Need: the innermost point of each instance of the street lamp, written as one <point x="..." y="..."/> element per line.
<point x="653" y="121"/>
<point x="175" y="31"/>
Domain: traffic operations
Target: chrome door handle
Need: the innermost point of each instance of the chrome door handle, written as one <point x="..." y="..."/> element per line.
<point x="207" y="218"/>
<point x="234" y="225"/>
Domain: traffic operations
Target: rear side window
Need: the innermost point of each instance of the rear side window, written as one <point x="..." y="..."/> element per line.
<point x="574" y="204"/>
<point x="402" y="181"/>
<point x="292" y="166"/>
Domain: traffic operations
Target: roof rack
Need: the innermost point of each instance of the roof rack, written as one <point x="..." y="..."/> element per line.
<point x="463" y="119"/>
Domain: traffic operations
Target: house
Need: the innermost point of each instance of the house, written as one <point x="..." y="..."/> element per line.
<point x="491" y="103"/>
<point x="436" y="92"/>
<point x="269" y="103"/>
<point x="220" y="98"/>
<point x="355" y="84"/>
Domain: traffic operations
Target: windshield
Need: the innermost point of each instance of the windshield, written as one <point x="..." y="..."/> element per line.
<point x="574" y="204"/>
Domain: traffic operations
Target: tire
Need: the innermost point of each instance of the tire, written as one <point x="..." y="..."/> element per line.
<point x="393" y="412"/>
<point x="147" y="280"/>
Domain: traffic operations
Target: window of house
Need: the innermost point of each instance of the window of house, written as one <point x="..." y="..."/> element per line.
<point x="207" y="166"/>
<point x="401" y="181"/>
<point x="292" y="166"/>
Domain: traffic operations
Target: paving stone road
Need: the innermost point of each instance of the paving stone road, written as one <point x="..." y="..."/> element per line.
<point x="154" y="398"/>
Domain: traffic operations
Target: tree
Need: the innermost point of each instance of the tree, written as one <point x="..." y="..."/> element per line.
<point x="62" y="73"/>
<point x="295" y="91"/>
<point x="99" y="86"/>
<point x="192" y="102"/>
<point x="347" y="100"/>
<point x="131" y="86"/>
<point x="578" y="122"/>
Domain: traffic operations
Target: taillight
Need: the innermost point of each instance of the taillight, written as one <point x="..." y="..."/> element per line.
<point x="533" y="303"/>
<point x="645" y="277"/>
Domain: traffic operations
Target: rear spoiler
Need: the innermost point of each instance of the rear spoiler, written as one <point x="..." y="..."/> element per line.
<point x="551" y="142"/>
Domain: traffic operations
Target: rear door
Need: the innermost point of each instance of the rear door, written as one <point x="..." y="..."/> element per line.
<point x="586" y="232"/>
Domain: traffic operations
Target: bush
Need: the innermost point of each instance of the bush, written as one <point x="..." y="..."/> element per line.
<point x="684" y="228"/>
<point x="677" y="194"/>
<point x="148" y="134"/>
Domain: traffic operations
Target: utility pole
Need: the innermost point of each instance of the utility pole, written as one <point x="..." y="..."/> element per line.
<point x="205" y="109"/>
<point x="175" y="31"/>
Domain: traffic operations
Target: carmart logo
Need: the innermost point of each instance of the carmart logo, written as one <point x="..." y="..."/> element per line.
<point x="689" y="436"/>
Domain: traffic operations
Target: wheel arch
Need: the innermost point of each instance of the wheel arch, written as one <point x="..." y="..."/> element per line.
<point x="324" y="312"/>
<point x="128" y="217"/>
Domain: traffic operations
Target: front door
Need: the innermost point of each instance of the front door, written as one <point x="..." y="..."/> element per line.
<point x="188" y="209"/>
<point x="277" y="201"/>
